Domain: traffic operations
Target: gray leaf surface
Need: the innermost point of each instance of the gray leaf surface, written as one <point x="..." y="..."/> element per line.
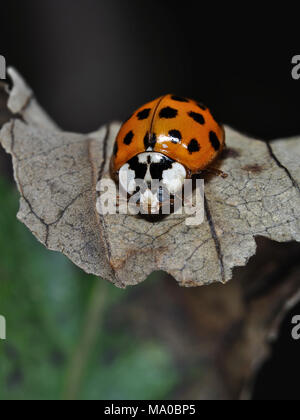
<point x="57" y="173"/>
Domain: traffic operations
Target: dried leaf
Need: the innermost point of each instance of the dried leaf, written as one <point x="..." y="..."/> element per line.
<point x="57" y="172"/>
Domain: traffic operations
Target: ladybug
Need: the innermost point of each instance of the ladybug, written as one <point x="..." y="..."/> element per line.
<point x="169" y="139"/>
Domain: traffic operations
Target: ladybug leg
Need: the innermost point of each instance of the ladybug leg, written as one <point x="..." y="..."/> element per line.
<point x="172" y="203"/>
<point x="182" y="199"/>
<point x="119" y="200"/>
<point x="216" y="172"/>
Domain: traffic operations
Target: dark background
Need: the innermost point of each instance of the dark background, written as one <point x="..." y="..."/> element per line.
<point x="94" y="61"/>
<point x="91" y="61"/>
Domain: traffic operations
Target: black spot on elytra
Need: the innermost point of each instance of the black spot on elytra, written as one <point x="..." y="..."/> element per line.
<point x="197" y="117"/>
<point x="149" y="141"/>
<point x="168" y="113"/>
<point x="179" y="99"/>
<point x="193" y="146"/>
<point x="128" y="138"/>
<point x="144" y="114"/>
<point x="116" y="149"/>
<point x="215" y="142"/>
<point x="176" y="136"/>
<point x="201" y="106"/>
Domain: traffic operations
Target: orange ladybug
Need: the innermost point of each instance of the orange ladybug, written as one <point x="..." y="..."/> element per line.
<point x="169" y="139"/>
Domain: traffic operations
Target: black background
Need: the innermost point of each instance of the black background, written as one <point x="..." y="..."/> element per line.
<point x="97" y="60"/>
<point x="90" y="62"/>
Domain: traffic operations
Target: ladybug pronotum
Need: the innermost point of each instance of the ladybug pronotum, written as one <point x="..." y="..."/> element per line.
<point x="169" y="139"/>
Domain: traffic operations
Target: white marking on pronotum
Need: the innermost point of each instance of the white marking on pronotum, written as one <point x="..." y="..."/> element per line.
<point x="154" y="157"/>
<point x="174" y="178"/>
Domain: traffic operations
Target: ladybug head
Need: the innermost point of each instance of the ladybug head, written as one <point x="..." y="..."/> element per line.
<point x="153" y="179"/>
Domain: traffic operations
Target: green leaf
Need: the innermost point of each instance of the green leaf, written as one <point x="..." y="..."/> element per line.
<point x="47" y="305"/>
